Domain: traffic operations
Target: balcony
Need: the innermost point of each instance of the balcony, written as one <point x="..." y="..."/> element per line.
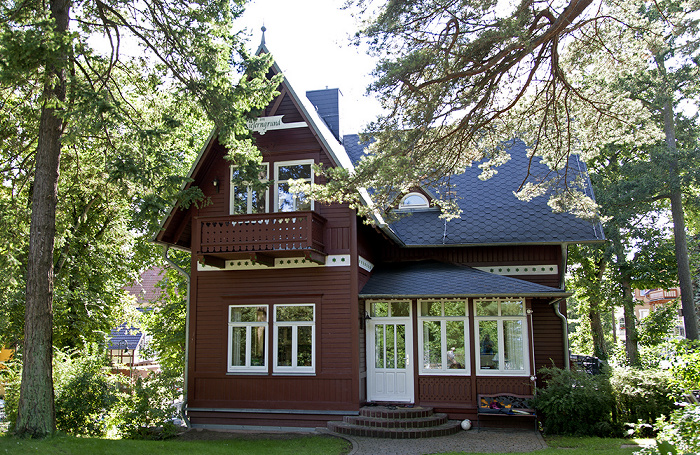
<point x="260" y="238"/>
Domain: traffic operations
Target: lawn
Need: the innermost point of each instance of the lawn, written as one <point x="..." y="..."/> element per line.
<point x="293" y="445"/>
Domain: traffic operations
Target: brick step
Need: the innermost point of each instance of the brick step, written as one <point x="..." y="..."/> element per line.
<point x="445" y="429"/>
<point x="396" y="412"/>
<point x="380" y="422"/>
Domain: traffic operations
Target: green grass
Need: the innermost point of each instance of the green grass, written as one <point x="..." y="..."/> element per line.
<point x="67" y="445"/>
<point x="569" y="445"/>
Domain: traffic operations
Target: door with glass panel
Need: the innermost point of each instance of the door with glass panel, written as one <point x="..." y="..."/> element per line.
<point x="389" y="352"/>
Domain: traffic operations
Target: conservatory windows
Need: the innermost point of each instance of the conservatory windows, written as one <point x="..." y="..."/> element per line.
<point x="443" y="334"/>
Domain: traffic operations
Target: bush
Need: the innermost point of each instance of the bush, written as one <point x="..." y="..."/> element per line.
<point x="642" y="396"/>
<point x="11" y="376"/>
<point x="680" y="434"/>
<point x="85" y="390"/>
<point x="148" y="411"/>
<point x="576" y="403"/>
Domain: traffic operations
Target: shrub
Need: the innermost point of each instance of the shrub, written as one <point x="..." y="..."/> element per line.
<point x="680" y="434"/>
<point x="148" y="410"/>
<point x="576" y="403"/>
<point x="642" y="396"/>
<point x="11" y="376"/>
<point x="85" y="390"/>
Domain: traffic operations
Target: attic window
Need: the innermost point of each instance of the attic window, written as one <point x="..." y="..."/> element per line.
<point x="414" y="201"/>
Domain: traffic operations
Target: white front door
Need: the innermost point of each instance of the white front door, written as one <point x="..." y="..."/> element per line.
<point x="389" y="353"/>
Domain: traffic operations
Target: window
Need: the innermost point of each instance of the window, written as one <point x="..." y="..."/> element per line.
<point x="285" y="200"/>
<point x="247" y="338"/>
<point x="443" y="328"/>
<point x="246" y="200"/>
<point x="294" y="338"/>
<point x="414" y="201"/>
<point x="501" y="333"/>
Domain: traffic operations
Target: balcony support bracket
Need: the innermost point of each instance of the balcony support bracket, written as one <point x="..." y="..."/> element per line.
<point x="212" y="261"/>
<point x="262" y="259"/>
<point x="315" y="256"/>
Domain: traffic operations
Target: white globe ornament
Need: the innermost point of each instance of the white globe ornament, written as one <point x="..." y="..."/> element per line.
<point x="466" y="424"/>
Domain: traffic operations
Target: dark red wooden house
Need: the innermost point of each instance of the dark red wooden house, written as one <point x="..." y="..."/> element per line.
<point x="300" y="313"/>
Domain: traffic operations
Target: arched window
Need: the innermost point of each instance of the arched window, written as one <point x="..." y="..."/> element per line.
<point x="414" y="201"/>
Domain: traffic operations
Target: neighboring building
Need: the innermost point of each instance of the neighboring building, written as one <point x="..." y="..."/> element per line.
<point x="649" y="300"/>
<point x="300" y="313"/>
<point x="127" y="343"/>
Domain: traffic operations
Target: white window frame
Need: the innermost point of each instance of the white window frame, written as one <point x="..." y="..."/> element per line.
<point x="424" y="205"/>
<point x="501" y="371"/>
<point x="445" y="370"/>
<point x="247" y="368"/>
<point x="249" y="201"/>
<point x="294" y="369"/>
<point x="278" y="182"/>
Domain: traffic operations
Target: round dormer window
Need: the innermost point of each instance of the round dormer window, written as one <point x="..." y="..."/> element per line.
<point x="414" y="201"/>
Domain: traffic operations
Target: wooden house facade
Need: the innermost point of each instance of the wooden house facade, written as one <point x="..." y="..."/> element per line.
<point x="301" y="313"/>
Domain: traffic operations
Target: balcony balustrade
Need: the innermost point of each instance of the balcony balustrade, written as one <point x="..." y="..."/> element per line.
<point x="260" y="237"/>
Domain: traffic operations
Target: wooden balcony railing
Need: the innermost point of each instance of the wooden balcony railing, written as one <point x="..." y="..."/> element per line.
<point x="273" y="234"/>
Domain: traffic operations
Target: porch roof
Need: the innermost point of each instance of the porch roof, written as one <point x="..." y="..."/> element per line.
<point x="438" y="279"/>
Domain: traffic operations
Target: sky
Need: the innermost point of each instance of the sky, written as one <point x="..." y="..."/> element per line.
<point x="310" y="41"/>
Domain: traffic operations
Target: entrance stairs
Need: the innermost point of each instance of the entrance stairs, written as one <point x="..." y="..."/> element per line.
<point x="396" y="422"/>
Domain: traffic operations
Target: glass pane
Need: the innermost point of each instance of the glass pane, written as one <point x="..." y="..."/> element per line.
<point x="488" y="344"/>
<point x="238" y="346"/>
<point x="295" y="313"/>
<point x="400" y="346"/>
<point x="400" y="309"/>
<point x="512" y="308"/>
<point x="257" y="201"/>
<point x="286" y="199"/>
<point x="248" y="314"/>
<point x="284" y="346"/>
<point x="415" y="200"/>
<point x="432" y="345"/>
<point x="428" y="308"/>
<point x="380" y="309"/>
<point x="240" y="200"/>
<point x="455" y="344"/>
<point x="513" y="342"/>
<point x="457" y="308"/>
<point x="304" y="340"/>
<point x="379" y="346"/>
<point x="294" y="172"/>
<point x="257" y="346"/>
<point x="487" y="308"/>
<point x="390" y="346"/>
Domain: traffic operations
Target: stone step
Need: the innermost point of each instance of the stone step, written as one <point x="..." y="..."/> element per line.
<point x="445" y="429"/>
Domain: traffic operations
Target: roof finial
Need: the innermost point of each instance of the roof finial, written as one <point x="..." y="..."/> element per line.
<point x="262" y="41"/>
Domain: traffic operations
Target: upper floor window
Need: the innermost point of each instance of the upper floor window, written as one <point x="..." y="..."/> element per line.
<point x="443" y="331"/>
<point x="285" y="199"/>
<point x="501" y="334"/>
<point x="414" y="201"/>
<point x="246" y="200"/>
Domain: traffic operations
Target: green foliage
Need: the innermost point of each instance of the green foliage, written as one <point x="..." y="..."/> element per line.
<point x="147" y="410"/>
<point x="576" y="403"/>
<point x="658" y="325"/>
<point x="680" y="434"/>
<point x="11" y="377"/>
<point x="643" y="396"/>
<point x="85" y="391"/>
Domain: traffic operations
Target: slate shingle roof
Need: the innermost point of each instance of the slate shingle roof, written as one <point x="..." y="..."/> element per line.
<point x="131" y="335"/>
<point x="491" y="214"/>
<point x="437" y="279"/>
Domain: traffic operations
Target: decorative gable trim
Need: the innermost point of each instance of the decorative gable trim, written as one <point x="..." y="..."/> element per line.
<point x="510" y="270"/>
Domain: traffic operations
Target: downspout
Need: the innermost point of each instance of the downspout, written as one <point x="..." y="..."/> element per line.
<point x="556" y="304"/>
<point x="183" y="408"/>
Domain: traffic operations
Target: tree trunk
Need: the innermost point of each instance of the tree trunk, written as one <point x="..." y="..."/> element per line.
<point x="36" y="416"/>
<point x="631" y="343"/>
<point x="598" y="334"/>
<point x="685" y="279"/>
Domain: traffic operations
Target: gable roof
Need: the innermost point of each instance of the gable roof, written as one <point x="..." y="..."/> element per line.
<point x="437" y="279"/>
<point x="491" y="214"/>
<point x="125" y="335"/>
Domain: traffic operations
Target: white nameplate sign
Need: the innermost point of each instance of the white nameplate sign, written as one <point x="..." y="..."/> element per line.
<point x="264" y="124"/>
